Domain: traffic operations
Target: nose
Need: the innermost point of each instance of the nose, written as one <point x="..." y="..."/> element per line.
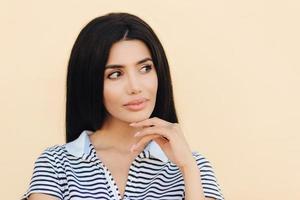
<point x="133" y="84"/>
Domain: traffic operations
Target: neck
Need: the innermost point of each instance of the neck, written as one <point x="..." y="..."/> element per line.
<point x="115" y="135"/>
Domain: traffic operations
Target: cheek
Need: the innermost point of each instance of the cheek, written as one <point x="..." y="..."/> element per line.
<point x="111" y="94"/>
<point x="152" y="83"/>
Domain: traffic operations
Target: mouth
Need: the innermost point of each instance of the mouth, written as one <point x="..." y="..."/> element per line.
<point x="136" y="106"/>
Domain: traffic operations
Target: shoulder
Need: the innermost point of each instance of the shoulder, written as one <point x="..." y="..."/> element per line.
<point x="209" y="180"/>
<point x="47" y="177"/>
<point x="200" y="159"/>
<point x="52" y="155"/>
<point x="205" y="167"/>
<point x="204" y="164"/>
<point x="54" y="150"/>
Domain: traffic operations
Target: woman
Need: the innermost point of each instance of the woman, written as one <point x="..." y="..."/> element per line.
<point x="118" y="74"/>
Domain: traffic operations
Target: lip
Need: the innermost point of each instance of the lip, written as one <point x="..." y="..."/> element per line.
<point x="136" y="105"/>
<point x="136" y="101"/>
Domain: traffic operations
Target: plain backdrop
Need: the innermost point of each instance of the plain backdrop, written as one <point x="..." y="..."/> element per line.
<point x="236" y="75"/>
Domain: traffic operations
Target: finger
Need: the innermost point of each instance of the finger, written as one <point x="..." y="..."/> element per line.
<point x="143" y="141"/>
<point x="154" y="130"/>
<point x="155" y="121"/>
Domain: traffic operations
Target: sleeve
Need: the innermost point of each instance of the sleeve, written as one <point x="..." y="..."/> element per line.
<point x="45" y="177"/>
<point x="211" y="188"/>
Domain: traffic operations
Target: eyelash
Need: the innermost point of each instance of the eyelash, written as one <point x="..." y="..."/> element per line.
<point x="145" y="66"/>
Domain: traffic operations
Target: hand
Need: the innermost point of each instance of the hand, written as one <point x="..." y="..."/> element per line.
<point x="168" y="136"/>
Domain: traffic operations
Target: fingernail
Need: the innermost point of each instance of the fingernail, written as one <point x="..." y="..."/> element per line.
<point x="131" y="124"/>
<point x="132" y="148"/>
<point x="136" y="134"/>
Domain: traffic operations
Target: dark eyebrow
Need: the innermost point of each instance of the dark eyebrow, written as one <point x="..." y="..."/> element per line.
<point x="113" y="66"/>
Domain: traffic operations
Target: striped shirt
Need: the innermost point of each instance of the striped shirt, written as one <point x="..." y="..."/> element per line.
<point x="74" y="171"/>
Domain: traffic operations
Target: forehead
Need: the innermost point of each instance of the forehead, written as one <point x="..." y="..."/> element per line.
<point x="128" y="52"/>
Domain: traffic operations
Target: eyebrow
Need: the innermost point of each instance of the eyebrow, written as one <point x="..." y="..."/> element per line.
<point x="113" y="66"/>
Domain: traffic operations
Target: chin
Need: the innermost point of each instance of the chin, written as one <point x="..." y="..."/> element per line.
<point x="134" y="116"/>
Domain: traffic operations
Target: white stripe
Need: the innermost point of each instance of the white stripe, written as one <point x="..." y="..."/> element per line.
<point x="68" y="172"/>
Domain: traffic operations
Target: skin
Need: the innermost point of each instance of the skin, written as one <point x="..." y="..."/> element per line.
<point x="125" y="84"/>
<point x="121" y="86"/>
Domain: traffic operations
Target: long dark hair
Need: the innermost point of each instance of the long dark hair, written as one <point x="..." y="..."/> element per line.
<point x="84" y="100"/>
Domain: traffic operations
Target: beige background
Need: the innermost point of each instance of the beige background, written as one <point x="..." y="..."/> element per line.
<point x="236" y="73"/>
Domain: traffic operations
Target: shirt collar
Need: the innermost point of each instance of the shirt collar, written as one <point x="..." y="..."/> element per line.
<point x="80" y="147"/>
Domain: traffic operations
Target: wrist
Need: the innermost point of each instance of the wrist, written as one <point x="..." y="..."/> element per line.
<point x="190" y="165"/>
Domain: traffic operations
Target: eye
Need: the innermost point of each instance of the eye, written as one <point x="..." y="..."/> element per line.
<point x="109" y="76"/>
<point x="147" y="67"/>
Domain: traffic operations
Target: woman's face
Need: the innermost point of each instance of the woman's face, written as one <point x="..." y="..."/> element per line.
<point x="129" y="75"/>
